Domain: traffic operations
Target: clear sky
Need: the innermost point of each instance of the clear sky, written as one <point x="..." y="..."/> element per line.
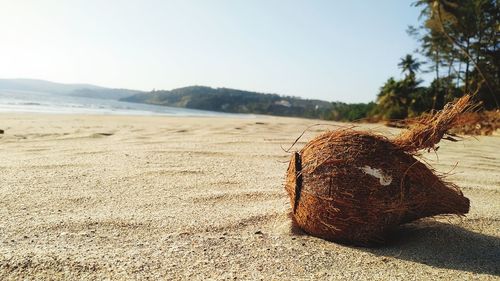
<point x="333" y="50"/>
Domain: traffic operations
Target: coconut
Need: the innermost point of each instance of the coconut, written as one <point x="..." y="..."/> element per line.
<point x="355" y="187"/>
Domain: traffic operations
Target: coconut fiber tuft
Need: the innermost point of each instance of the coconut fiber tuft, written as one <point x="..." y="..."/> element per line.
<point x="355" y="187"/>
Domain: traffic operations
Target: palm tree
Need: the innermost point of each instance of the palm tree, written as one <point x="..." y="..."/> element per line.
<point x="410" y="64"/>
<point x="391" y="100"/>
<point x="396" y="97"/>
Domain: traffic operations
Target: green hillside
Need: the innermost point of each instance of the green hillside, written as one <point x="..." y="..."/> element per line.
<point x="236" y="101"/>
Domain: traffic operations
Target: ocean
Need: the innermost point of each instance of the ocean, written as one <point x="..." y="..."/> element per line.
<point x="36" y="102"/>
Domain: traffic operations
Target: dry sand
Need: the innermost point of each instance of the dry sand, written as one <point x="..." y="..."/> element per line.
<point x="120" y="197"/>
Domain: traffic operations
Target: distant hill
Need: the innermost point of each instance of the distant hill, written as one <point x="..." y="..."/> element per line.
<point x="234" y="101"/>
<point x="200" y="97"/>
<point x="34" y="86"/>
<point x="104" y="93"/>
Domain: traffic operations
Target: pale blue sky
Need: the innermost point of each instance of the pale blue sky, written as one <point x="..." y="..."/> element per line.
<point x="331" y="50"/>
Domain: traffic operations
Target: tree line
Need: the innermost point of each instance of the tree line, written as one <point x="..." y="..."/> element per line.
<point x="459" y="44"/>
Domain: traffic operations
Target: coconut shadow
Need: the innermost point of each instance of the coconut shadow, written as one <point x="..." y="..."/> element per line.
<point x="444" y="246"/>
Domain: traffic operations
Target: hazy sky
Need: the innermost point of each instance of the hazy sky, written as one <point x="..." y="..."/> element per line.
<point x="331" y="50"/>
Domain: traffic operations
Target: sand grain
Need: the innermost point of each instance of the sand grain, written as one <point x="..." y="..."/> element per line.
<point x="121" y="197"/>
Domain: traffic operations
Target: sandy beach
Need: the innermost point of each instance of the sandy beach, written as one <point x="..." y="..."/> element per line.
<point x="185" y="198"/>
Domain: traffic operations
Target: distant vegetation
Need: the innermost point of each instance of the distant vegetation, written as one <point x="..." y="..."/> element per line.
<point x="236" y="101"/>
<point x="458" y="43"/>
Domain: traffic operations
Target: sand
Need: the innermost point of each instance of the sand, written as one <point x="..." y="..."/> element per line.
<point x="124" y="197"/>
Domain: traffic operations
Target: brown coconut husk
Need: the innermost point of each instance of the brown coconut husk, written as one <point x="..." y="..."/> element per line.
<point x="427" y="131"/>
<point x="355" y="187"/>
